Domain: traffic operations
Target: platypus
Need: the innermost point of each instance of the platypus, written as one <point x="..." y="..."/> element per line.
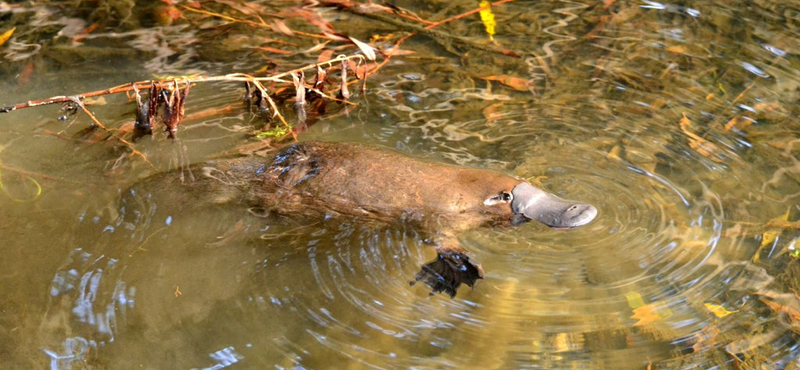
<point x="324" y="180"/>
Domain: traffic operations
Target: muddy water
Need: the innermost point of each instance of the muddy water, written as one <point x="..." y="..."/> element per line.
<point x="677" y="121"/>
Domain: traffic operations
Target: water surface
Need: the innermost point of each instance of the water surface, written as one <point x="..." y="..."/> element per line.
<point x="677" y="120"/>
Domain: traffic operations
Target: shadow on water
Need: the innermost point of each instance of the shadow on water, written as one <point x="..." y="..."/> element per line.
<point x="676" y="120"/>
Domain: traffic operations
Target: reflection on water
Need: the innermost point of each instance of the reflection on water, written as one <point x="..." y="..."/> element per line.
<point x="675" y="120"/>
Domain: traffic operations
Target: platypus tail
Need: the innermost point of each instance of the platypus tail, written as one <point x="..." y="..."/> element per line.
<point x="446" y="273"/>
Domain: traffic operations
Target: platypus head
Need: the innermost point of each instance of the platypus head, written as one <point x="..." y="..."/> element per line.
<point x="530" y="203"/>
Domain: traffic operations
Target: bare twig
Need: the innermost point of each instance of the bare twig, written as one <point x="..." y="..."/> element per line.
<point x="147" y="84"/>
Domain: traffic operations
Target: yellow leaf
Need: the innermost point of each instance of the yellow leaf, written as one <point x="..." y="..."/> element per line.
<point x="614" y="152"/>
<point x="645" y="315"/>
<point x="487" y="17"/>
<point x="718" y="310"/>
<point x="6" y="35"/>
<point x="780" y="220"/>
<point x="768" y="237"/>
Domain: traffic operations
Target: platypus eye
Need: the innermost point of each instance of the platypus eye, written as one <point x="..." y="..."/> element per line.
<point x="503" y="197"/>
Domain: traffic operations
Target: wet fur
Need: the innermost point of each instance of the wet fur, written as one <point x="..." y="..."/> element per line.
<point x="316" y="179"/>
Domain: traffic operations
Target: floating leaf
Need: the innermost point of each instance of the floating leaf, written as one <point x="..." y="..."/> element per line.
<point x="6" y="35"/>
<point x="369" y="52"/>
<point x="718" y="310"/>
<point x="487" y="17"/>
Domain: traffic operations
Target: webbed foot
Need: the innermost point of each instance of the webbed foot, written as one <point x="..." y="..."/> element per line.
<point x="446" y="273"/>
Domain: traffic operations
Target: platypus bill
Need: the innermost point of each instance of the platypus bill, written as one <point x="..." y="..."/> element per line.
<point x="317" y="179"/>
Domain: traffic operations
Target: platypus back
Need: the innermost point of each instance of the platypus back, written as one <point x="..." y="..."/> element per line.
<point x="317" y="179"/>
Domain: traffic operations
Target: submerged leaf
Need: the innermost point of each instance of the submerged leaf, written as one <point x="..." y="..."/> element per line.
<point x="516" y="83"/>
<point x="718" y="310"/>
<point x="768" y="237"/>
<point x="698" y="144"/>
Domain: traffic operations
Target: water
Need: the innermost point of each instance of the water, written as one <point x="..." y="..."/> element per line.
<point x="676" y="120"/>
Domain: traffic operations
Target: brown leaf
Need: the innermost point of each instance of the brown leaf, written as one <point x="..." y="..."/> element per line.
<point x="82" y="35"/>
<point x="325" y="56"/>
<point x="273" y="50"/>
<point x="516" y="83"/>
<point x="738" y="122"/>
<point x="702" y="146"/>
<point x="344" y="94"/>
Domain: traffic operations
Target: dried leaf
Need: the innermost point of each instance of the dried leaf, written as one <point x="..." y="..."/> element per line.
<point x="369" y="52"/>
<point x="344" y="94"/>
<point x="698" y="144"/>
<point x="82" y="35"/>
<point x="676" y="49"/>
<point x="768" y="237"/>
<point x="6" y="35"/>
<point x="516" y="83"/>
<point x="718" y="310"/>
<point x="395" y="51"/>
<point x="614" y="153"/>
<point x="487" y="17"/>
<point x="738" y="122"/>
<point x="787" y="303"/>
<point x="325" y="56"/>
<point x="645" y="315"/>
<point x="280" y="26"/>
<point x="273" y="50"/>
<point x="335" y="36"/>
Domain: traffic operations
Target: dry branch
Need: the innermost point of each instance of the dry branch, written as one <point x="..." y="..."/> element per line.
<point x="147" y="84"/>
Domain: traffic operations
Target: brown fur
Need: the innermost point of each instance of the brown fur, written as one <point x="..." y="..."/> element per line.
<point x="316" y="179"/>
